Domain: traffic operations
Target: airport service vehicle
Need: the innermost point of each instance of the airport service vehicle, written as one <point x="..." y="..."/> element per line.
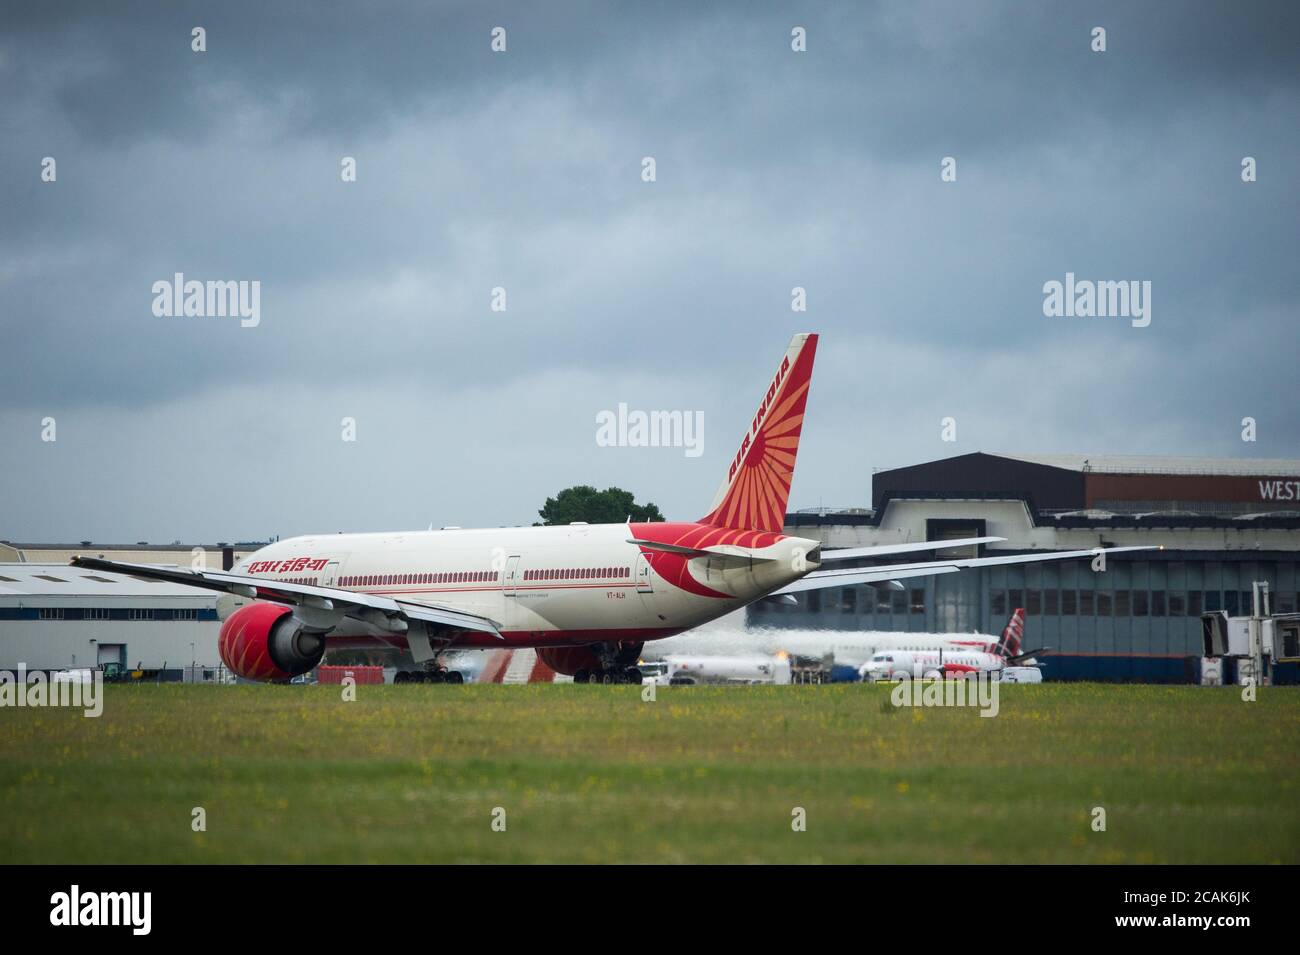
<point x="748" y="669"/>
<point x="655" y="672"/>
<point x="1022" y="675"/>
<point x="588" y="597"/>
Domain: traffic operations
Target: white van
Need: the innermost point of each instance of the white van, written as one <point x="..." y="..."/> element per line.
<point x="1022" y="675"/>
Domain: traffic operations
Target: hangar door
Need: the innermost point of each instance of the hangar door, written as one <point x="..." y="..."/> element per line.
<point x="111" y="653"/>
<point x="957" y="601"/>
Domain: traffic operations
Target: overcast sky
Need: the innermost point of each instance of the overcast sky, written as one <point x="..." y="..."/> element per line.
<point x="523" y="170"/>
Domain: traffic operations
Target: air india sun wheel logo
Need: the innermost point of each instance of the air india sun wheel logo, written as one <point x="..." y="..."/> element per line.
<point x="761" y="471"/>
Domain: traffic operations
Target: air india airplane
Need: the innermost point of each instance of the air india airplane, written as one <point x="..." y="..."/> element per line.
<point x="587" y="597"/>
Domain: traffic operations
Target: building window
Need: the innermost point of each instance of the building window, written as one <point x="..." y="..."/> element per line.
<point x="95" y="613"/>
<point x="1051" y="601"/>
<point x="1230" y="603"/>
<point x="1086" y="603"/>
<point x="1015" y="598"/>
<point x="1177" y="604"/>
<point x="1157" y="603"/>
<point x="139" y="613"/>
<point x="882" y="600"/>
<point x="1034" y="602"/>
<point x="1194" y="603"/>
<point x="51" y="613"/>
<point x="1285" y="602"/>
<point x="185" y="615"/>
<point x="918" y="600"/>
<point x="1103" y="603"/>
<point x="1068" y="605"/>
<point x="1213" y="600"/>
<point x="899" y="601"/>
<point x="814" y="601"/>
<point x="1123" y="603"/>
<point x="998" y="603"/>
<point x="1140" y="603"/>
<point x="848" y="600"/>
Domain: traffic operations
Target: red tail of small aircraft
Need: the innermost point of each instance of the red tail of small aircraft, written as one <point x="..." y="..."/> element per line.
<point x="1012" y="635"/>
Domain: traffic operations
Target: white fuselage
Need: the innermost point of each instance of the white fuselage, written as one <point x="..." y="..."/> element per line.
<point x="915" y="664"/>
<point x="844" y="647"/>
<point x="541" y="585"/>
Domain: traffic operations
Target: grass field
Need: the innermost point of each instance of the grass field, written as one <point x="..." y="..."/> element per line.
<point x="593" y="774"/>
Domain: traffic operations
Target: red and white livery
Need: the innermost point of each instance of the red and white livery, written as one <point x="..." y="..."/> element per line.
<point x="586" y="596"/>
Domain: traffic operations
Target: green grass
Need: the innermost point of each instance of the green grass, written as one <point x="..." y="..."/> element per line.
<point x="592" y="773"/>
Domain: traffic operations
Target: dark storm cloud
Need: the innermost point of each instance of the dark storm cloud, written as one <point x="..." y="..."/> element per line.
<point x="521" y="170"/>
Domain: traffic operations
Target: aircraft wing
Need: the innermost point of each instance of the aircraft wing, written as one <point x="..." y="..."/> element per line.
<point x="821" y="579"/>
<point x="883" y="550"/>
<point x="368" y="608"/>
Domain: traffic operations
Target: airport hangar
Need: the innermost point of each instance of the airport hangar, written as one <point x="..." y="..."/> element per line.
<point x="1223" y="524"/>
<point x="55" y="617"/>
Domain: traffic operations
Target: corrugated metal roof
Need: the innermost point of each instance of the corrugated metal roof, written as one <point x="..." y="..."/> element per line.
<point x="61" y="580"/>
<point x="1162" y="464"/>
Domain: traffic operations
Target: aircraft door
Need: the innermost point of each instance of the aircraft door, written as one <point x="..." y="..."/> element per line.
<point x="510" y="576"/>
<point x="642" y="575"/>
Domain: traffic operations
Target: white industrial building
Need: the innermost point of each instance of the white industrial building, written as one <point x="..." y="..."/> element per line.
<point x="54" y="616"/>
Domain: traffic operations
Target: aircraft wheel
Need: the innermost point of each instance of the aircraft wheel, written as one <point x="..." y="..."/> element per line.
<point x="581" y="676"/>
<point x="401" y="676"/>
<point x="632" y="675"/>
<point x="454" y="676"/>
<point x="434" y="676"/>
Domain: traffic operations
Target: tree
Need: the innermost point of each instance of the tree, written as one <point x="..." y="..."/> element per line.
<point x="584" y="503"/>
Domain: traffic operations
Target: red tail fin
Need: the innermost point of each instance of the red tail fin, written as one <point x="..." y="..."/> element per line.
<point x="756" y="489"/>
<point x="1013" y="634"/>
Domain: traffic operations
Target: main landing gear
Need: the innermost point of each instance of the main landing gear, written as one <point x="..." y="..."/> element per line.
<point x="617" y="664"/>
<point x="436" y="674"/>
<point x="623" y="675"/>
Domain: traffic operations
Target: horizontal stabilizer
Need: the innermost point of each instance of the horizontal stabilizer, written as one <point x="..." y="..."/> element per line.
<point x="884" y="550"/>
<point x="722" y="551"/>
